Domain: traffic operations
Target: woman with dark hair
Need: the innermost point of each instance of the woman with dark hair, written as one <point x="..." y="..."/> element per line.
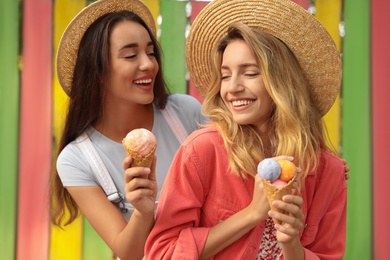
<point x="109" y="64"/>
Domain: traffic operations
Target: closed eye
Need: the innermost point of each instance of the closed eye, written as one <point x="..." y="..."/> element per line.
<point x="131" y="56"/>
<point x="252" y="74"/>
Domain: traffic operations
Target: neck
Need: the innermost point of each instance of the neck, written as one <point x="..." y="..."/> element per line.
<point x="116" y="123"/>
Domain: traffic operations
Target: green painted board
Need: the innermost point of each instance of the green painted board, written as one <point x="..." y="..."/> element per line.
<point x="9" y="124"/>
<point x="172" y="40"/>
<point x="356" y="128"/>
<point x="94" y="246"/>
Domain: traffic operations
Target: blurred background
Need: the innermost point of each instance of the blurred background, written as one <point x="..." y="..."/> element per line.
<point x="33" y="105"/>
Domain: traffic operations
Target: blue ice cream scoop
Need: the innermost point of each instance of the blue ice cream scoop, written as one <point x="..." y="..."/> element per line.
<point x="268" y="169"/>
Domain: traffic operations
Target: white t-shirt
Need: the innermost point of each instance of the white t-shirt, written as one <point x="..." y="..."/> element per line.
<point x="74" y="169"/>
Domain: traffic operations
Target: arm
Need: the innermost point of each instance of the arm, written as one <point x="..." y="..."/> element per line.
<point x="233" y="228"/>
<point x="329" y="242"/>
<point x="323" y="235"/>
<point x="126" y="239"/>
<point x="183" y="228"/>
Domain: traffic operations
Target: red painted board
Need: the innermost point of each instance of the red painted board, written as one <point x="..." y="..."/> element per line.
<point x="35" y="131"/>
<point x="380" y="82"/>
<point x="196" y="7"/>
<point x="304" y="3"/>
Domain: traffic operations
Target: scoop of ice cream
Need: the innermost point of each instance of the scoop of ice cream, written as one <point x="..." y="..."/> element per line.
<point x="269" y="169"/>
<point x="279" y="183"/>
<point x="141" y="141"/>
<point x="288" y="170"/>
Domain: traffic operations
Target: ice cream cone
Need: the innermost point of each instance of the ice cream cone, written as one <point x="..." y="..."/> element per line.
<point x="274" y="193"/>
<point x="139" y="160"/>
<point x="140" y="144"/>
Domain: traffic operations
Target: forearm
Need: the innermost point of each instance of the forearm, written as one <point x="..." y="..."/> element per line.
<point x="228" y="231"/>
<point x="293" y="250"/>
<point x="130" y="243"/>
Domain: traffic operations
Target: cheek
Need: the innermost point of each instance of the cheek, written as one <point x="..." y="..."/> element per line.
<point x="223" y="93"/>
<point x="156" y="67"/>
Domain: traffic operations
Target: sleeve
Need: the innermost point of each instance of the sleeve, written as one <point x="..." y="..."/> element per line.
<point x="73" y="168"/>
<point x="328" y="212"/>
<point x="176" y="234"/>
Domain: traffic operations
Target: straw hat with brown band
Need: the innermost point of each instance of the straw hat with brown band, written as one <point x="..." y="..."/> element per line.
<point x="302" y="32"/>
<point x="70" y="40"/>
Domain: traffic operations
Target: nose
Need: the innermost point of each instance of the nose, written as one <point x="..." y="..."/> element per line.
<point x="146" y="63"/>
<point x="235" y="84"/>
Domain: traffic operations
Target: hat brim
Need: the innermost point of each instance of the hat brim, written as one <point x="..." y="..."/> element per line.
<point x="71" y="38"/>
<point x="306" y="37"/>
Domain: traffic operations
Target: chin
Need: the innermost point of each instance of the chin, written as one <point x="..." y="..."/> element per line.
<point x="241" y="121"/>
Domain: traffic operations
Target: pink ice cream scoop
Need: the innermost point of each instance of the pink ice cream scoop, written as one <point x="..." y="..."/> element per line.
<point x="140" y="144"/>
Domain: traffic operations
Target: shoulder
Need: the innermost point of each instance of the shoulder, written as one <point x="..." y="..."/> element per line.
<point x="204" y="149"/>
<point x="205" y="141"/>
<point x="70" y="154"/>
<point x="72" y="166"/>
<point x="188" y="109"/>
<point x="331" y="162"/>
<point x="185" y="105"/>
<point x="204" y="135"/>
<point x="183" y="100"/>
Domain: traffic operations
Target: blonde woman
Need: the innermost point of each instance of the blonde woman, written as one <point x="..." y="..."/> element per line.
<point x="270" y="82"/>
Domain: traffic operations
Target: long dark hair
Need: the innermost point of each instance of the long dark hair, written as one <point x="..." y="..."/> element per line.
<point x="87" y="96"/>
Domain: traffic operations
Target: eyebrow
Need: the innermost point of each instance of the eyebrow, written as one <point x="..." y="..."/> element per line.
<point x="245" y="65"/>
<point x="134" y="45"/>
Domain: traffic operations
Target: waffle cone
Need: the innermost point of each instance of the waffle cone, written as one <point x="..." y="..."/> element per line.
<point x="139" y="160"/>
<point x="274" y="193"/>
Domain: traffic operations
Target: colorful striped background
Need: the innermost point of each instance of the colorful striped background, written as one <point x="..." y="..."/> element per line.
<point x="33" y="105"/>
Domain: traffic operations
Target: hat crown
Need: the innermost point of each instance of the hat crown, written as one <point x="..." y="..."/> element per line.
<point x="306" y="37"/>
<point x="71" y="38"/>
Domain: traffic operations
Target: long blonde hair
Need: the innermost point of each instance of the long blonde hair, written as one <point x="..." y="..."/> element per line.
<point x="296" y="126"/>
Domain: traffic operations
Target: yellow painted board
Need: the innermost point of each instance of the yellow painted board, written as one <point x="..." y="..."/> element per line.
<point x="154" y="7"/>
<point x="328" y="12"/>
<point x="64" y="244"/>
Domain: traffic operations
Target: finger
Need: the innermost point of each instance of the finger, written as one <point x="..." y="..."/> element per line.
<point x="288" y="230"/>
<point x="284" y="157"/>
<point x="138" y="194"/>
<point x="297" y="200"/>
<point x="152" y="175"/>
<point x="138" y="183"/>
<point x="286" y="217"/>
<point x="136" y="172"/>
<point x="127" y="162"/>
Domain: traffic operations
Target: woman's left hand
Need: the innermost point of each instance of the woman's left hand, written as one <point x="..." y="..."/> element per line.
<point x="292" y="218"/>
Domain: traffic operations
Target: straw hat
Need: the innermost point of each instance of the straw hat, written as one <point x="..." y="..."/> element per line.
<point x="71" y="38"/>
<point x="302" y="32"/>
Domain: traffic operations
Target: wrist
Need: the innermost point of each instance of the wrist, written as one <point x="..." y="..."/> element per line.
<point x="293" y="249"/>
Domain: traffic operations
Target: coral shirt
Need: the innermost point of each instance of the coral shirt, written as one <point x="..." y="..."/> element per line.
<point x="200" y="191"/>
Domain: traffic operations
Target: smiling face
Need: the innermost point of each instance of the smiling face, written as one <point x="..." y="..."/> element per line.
<point x="242" y="87"/>
<point x="133" y="66"/>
